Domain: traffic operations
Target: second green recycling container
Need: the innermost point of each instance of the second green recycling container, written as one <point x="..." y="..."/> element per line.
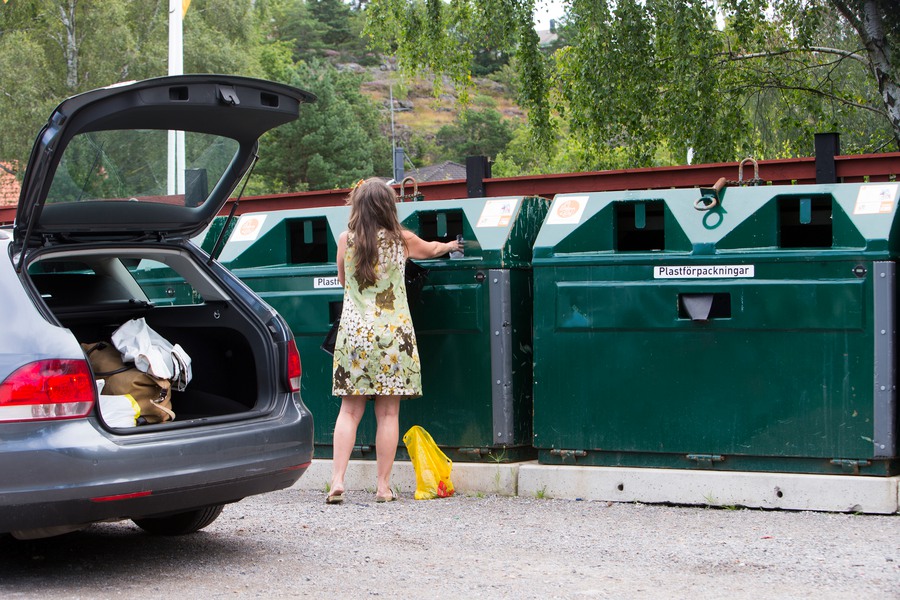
<point x="473" y="320"/>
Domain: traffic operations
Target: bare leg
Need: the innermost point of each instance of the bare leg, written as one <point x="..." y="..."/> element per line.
<point x="387" y="417"/>
<point x="352" y="410"/>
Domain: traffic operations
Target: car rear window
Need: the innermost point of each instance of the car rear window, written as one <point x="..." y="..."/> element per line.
<point x="141" y="165"/>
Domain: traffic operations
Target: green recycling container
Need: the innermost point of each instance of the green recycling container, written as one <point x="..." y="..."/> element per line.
<point x="755" y="331"/>
<point x="474" y="327"/>
<point x="472" y="320"/>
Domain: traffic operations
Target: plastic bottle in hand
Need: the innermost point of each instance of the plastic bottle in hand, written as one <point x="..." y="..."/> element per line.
<point x="458" y="253"/>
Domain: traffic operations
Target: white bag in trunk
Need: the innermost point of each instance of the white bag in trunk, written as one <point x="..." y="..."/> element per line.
<point x="152" y="353"/>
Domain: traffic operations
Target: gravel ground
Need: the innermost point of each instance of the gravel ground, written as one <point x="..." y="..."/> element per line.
<point x="289" y="544"/>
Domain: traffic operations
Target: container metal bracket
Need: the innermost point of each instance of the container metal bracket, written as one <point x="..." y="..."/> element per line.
<point x="568" y="453"/>
<point x="706" y="460"/>
<point x="850" y="465"/>
<point x="885" y="321"/>
<point x="500" y="316"/>
<point x="475" y="452"/>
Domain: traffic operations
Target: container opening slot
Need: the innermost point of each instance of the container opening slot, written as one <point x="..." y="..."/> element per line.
<point x="703" y="307"/>
<point x="308" y="241"/>
<point x="440" y="226"/>
<point x="640" y="226"/>
<point x="805" y="222"/>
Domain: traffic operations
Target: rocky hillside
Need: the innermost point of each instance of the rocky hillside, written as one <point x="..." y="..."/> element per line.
<point x="418" y="113"/>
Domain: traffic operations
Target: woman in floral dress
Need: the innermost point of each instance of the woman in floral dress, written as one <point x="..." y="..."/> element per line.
<point x="375" y="355"/>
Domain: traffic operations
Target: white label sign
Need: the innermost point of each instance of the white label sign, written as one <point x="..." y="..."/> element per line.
<point x="326" y="282"/>
<point x="703" y="272"/>
<point x="497" y="213"/>
<point x="876" y="199"/>
<point x="567" y="211"/>
<point x="247" y="228"/>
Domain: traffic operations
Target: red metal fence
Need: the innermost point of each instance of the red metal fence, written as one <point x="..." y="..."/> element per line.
<point x="849" y="169"/>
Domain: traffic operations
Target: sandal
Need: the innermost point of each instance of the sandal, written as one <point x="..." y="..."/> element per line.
<point x="390" y="498"/>
<point x="337" y="498"/>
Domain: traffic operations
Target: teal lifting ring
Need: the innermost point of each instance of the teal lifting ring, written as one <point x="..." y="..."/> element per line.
<point x="709" y="197"/>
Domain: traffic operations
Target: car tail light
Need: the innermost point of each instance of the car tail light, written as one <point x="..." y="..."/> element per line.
<point x="48" y="389"/>
<point x="294" y="370"/>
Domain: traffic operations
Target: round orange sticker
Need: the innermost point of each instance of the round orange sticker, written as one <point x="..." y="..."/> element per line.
<point x="249" y="226"/>
<point x="567" y="209"/>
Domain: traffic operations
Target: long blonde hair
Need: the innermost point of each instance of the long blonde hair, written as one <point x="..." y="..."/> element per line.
<point x="373" y="207"/>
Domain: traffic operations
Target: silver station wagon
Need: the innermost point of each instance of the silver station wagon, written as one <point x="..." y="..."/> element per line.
<point x="103" y="237"/>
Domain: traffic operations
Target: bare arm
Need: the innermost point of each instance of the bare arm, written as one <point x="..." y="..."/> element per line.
<point x="419" y="248"/>
<point x="341" y="249"/>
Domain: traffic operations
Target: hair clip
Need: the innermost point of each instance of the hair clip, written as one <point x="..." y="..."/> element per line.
<point x="359" y="183"/>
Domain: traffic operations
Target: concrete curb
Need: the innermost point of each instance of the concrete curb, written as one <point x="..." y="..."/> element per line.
<point x="468" y="478"/>
<point x="787" y="491"/>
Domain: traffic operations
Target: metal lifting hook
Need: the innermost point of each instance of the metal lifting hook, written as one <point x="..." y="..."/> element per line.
<point x="709" y="197"/>
<point x="414" y="196"/>
<point x="756" y="180"/>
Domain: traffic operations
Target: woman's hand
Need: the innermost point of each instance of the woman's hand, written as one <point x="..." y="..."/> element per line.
<point x="419" y="248"/>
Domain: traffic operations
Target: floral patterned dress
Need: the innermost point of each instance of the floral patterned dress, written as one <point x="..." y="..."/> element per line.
<point x="375" y="352"/>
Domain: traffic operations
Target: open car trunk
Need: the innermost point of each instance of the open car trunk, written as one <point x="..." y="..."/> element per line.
<point x="94" y="291"/>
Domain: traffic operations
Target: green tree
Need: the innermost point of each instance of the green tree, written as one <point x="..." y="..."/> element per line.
<point x="318" y="28"/>
<point x="222" y="36"/>
<point x="653" y="79"/>
<point x="335" y="142"/>
<point x="25" y="100"/>
<point x="476" y="133"/>
<point x="828" y="61"/>
<point x="52" y="49"/>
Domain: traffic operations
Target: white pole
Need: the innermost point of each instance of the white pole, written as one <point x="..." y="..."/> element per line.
<point x="393" y="139"/>
<point x="176" y="67"/>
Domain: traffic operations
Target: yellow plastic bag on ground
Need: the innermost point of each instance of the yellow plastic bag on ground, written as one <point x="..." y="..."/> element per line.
<point x="432" y="466"/>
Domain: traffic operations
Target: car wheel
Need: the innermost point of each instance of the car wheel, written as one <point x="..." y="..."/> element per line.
<point x="181" y="523"/>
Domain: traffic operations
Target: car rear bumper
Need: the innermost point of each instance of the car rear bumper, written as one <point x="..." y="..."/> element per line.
<point x="44" y="515"/>
<point x="73" y="473"/>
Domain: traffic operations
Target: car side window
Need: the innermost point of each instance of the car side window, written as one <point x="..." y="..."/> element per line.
<point x="72" y="283"/>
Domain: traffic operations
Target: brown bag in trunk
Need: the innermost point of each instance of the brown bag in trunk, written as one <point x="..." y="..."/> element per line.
<point x="153" y="395"/>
